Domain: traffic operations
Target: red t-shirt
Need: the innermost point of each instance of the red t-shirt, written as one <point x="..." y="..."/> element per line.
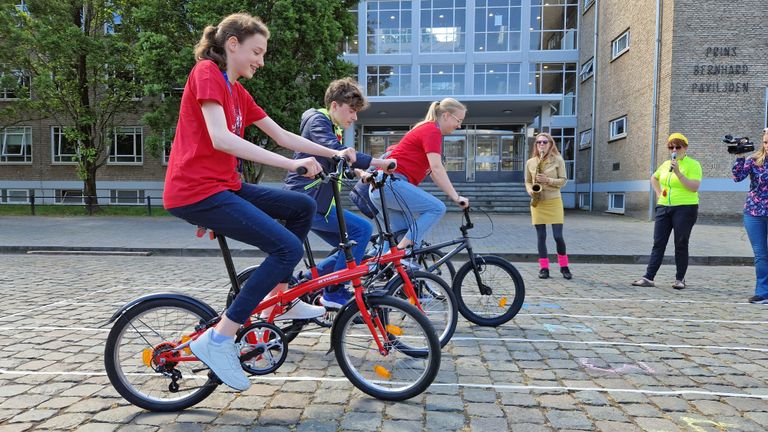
<point x="411" y="151"/>
<point x="195" y="169"/>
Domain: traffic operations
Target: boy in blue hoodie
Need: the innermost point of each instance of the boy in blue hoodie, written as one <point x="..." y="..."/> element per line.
<point x="343" y="100"/>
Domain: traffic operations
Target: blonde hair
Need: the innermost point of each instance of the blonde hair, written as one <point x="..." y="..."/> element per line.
<point x="759" y="156"/>
<point x="436" y="109"/>
<point x="552" y="146"/>
<point x="239" y="25"/>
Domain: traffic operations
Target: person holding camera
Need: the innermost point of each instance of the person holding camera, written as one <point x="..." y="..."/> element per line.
<point x="676" y="183"/>
<point x="755" y="210"/>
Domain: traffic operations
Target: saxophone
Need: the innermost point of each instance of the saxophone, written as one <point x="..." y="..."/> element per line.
<point x="536" y="187"/>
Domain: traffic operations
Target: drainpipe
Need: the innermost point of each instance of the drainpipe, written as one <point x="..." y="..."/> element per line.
<point x="654" y="106"/>
<point x="594" y="110"/>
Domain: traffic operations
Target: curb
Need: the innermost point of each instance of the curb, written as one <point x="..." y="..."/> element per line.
<point x="510" y="256"/>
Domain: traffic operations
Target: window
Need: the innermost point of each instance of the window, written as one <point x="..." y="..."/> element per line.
<point x="616" y="203"/>
<point x="555" y="78"/>
<point x="119" y="196"/>
<point x="620" y="45"/>
<point x="588" y="4"/>
<point x="442" y="25"/>
<point x="564" y="138"/>
<point x="554" y="24"/>
<point x="441" y="80"/>
<point x="127" y="145"/>
<point x="63" y="150"/>
<point x="388" y="27"/>
<point x="14" y="196"/>
<point x="584" y="200"/>
<point x="68" y="196"/>
<point x="14" y="85"/>
<point x="16" y="146"/>
<point x="389" y="80"/>
<point x="350" y="43"/>
<point x="498" y="25"/>
<point x="587" y="69"/>
<point x="497" y="78"/>
<point x="113" y="26"/>
<point x="585" y="139"/>
<point x="618" y="128"/>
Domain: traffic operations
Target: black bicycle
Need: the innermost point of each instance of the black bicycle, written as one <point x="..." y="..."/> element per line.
<point x="489" y="290"/>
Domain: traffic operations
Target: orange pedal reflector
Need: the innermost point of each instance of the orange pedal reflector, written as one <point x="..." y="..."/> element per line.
<point x="412" y="300"/>
<point x="395" y="330"/>
<point x="185" y="339"/>
<point x="503" y="302"/>
<point x="146" y="357"/>
<point x="382" y="372"/>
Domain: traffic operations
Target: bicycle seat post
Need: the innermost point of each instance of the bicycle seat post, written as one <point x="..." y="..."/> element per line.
<point x="227" y="255"/>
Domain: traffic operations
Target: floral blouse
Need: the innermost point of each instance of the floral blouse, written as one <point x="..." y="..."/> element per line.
<point x="757" y="198"/>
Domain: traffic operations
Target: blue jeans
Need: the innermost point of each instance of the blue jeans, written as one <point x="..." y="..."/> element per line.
<point x="327" y="228"/>
<point x="248" y="216"/>
<point x="757" y="230"/>
<point x="409" y="207"/>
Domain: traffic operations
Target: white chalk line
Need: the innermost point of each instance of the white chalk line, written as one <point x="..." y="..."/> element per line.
<point x="678" y="392"/>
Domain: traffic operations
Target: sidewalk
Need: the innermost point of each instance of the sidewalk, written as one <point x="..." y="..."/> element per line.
<point x="595" y="238"/>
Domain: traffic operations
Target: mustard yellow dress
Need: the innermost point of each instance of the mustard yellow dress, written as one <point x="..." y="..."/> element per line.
<point x="550" y="207"/>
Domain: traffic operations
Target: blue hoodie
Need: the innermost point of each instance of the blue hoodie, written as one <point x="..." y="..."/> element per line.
<point x="316" y="126"/>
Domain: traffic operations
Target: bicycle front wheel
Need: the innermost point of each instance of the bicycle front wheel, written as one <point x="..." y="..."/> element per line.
<point x="396" y="375"/>
<point x="491" y="295"/>
<point x="447" y="271"/>
<point x="436" y="298"/>
<point x="137" y="337"/>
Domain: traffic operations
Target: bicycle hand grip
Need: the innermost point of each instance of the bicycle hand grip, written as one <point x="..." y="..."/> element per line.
<point x="392" y="165"/>
<point x="301" y="170"/>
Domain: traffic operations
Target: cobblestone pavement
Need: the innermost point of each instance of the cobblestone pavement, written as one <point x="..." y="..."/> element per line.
<point x="588" y="354"/>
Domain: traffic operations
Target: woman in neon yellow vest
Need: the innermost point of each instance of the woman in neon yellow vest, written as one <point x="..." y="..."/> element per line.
<point x="676" y="183"/>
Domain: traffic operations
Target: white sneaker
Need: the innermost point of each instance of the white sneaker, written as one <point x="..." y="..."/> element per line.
<point x="411" y="264"/>
<point x="298" y="310"/>
<point x="223" y="359"/>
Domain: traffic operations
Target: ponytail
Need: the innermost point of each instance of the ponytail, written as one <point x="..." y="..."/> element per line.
<point x="239" y="25"/>
<point x="437" y="108"/>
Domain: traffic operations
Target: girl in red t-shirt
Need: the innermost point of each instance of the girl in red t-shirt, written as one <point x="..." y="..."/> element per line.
<point x="203" y="187"/>
<point x="419" y="154"/>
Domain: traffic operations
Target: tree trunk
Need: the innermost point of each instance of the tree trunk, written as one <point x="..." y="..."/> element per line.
<point x="89" y="189"/>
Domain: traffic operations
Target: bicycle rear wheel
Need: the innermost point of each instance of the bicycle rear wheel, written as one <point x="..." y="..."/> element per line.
<point x="493" y="294"/>
<point x="137" y="336"/>
<point x="397" y="375"/>
<point x="436" y="299"/>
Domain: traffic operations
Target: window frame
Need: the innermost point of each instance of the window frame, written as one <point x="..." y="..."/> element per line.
<point x="138" y="157"/>
<point x="404" y="78"/>
<point x="56" y="159"/>
<point x="26" y="147"/>
<point x="431" y="73"/>
<point x="612" y="136"/>
<point x="587" y="5"/>
<point x="60" y="197"/>
<point x="584" y="200"/>
<point x="616" y="54"/>
<point x="612" y="201"/>
<point x="582" y="134"/>
<point x="6" y="196"/>
<point x="114" y="197"/>
<point x="591" y="65"/>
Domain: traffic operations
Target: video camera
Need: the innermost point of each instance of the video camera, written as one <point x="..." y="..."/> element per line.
<point x="738" y="145"/>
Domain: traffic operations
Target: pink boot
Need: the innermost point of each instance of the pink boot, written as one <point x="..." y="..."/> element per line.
<point x="562" y="260"/>
<point x="543" y="268"/>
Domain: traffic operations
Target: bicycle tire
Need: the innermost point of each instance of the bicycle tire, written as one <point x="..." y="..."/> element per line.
<point x="443" y="319"/>
<point x="126" y="381"/>
<point x="349" y="354"/>
<point x="490" y="310"/>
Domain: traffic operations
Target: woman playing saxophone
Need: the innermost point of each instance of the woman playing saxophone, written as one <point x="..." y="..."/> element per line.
<point x="544" y="176"/>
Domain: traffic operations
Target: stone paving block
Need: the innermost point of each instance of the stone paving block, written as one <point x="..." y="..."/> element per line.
<point x="323" y="412"/>
<point x="609" y="426"/>
<point x="528" y="427"/>
<point x="560" y="402"/>
<point x="569" y="420"/>
<point x="197" y="415"/>
<point x="483" y="410"/>
<point x="155" y="419"/>
<point x="479" y="424"/>
<point x="33" y="415"/>
<point x="279" y="416"/>
<point x="365" y="421"/>
<point x="444" y="421"/>
<point x="524" y="415"/>
<point x="16" y="427"/>
<point x="317" y="426"/>
<point x="97" y="427"/>
<point x="656" y="424"/>
<point x="444" y="403"/>
<point x="65" y="421"/>
<point x="406" y="410"/>
<point x="401" y="426"/>
<point x="118" y="415"/>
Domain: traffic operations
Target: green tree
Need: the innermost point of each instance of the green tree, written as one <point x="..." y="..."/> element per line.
<point x="302" y="57"/>
<point x="81" y="59"/>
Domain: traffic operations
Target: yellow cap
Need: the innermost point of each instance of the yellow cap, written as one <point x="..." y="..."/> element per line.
<point x="679" y="136"/>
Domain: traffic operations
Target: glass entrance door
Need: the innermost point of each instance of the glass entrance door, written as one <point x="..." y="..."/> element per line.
<point x="455" y="157"/>
<point x="513" y="156"/>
